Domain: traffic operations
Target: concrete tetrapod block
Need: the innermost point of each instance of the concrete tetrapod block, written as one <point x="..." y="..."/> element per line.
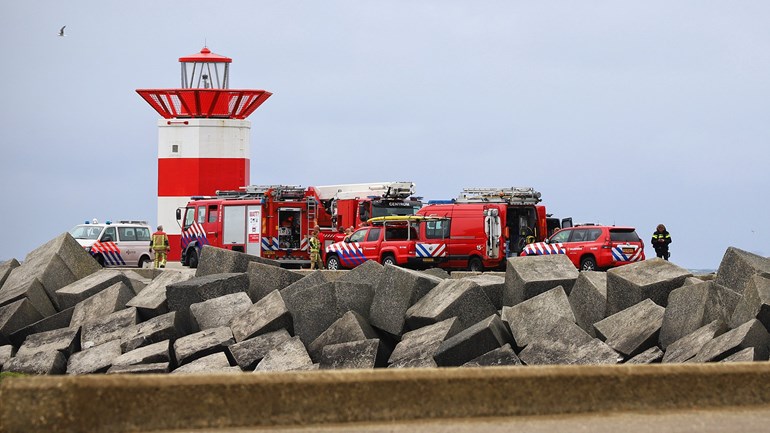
<point x="287" y="356"/>
<point x="155" y="368"/>
<point x="106" y="302"/>
<point x="80" y="290"/>
<point x="203" y="343"/>
<point x="350" y="327"/>
<point x="181" y="295"/>
<point x="500" y="356"/>
<point x="463" y="299"/>
<point x="567" y="343"/>
<point x="474" y="341"/>
<point x="16" y="316"/>
<point x="738" y="266"/>
<point x="688" y="346"/>
<point x="217" y="312"/>
<point x="750" y="334"/>
<point x="151" y="302"/>
<point x="49" y="362"/>
<point x="692" y="306"/>
<point x="215" y="260"/>
<point x="529" y="319"/>
<point x="651" y="279"/>
<point x="214" y="363"/>
<point x="150" y="354"/>
<point x="632" y="330"/>
<point x="649" y="356"/>
<point x="399" y="289"/>
<point x="354" y="354"/>
<point x="164" y="327"/>
<point x="5" y="270"/>
<point x="248" y="353"/>
<point x="57" y="321"/>
<point x="94" y="360"/>
<point x="53" y="265"/>
<point x="64" y="340"/>
<point x="110" y="327"/>
<point x="423" y="343"/>
<point x="492" y="285"/>
<point x="6" y="352"/>
<point x="264" y="279"/>
<point x="588" y="299"/>
<point x="529" y="276"/>
<point x="266" y="315"/>
<point x="754" y="304"/>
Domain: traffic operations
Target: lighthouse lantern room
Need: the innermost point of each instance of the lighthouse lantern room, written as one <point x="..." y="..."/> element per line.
<point x="203" y="136"/>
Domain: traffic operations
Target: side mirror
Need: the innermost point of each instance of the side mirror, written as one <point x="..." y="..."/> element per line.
<point x="548" y="241"/>
<point x="178" y="214"/>
<point x="346" y="240"/>
<point x="107" y="238"/>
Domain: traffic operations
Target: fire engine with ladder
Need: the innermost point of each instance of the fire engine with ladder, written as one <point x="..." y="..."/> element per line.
<point x="488" y="225"/>
<point x="271" y="221"/>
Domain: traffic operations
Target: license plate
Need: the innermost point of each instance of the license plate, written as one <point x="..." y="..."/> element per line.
<point x="427" y="260"/>
<point x="628" y="250"/>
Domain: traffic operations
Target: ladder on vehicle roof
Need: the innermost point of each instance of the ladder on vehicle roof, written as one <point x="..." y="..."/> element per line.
<point x="279" y="192"/>
<point x="512" y="195"/>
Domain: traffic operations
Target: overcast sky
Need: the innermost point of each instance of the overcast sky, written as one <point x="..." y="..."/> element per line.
<point x="619" y="113"/>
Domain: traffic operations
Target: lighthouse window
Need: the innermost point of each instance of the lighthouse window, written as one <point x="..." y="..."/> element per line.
<point x="175" y="148"/>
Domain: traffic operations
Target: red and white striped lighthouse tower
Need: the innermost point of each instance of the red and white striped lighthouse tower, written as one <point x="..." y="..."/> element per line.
<point x="203" y="138"/>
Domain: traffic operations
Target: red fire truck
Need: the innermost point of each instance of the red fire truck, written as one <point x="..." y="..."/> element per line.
<point x="350" y="205"/>
<point x="487" y="225"/>
<point x="271" y="221"/>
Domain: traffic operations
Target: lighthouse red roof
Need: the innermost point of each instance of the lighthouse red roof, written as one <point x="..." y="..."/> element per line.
<point x="206" y="56"/>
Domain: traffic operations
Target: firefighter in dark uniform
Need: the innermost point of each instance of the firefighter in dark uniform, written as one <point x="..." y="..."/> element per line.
<point x="660" y="240"/>
<point x="159" y="244"/>
<point x="315" y="250"/>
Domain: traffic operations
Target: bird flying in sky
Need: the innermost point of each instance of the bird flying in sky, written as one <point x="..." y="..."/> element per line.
<point x="61" y="31"/>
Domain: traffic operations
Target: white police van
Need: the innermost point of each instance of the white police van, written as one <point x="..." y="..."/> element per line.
<point x="122" y="243"/>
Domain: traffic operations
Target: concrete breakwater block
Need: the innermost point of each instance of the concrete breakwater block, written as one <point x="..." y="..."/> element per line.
<point x="152" y="353"/>
<point x="529" y="319"/>
<point x="368" y="272"/>
<point x="66" y="340"/>
<point x="688" y="346"/>
<point x="398" y="290"/>
<point x="462" y="299"/>
<point x="151" y="302"/>
<point x="632" y="330"/>
<point x="288" y="355"/>
<point x="82" y="289"/>
<point x="588" y="299"/>
<point x="267" y="315"/>
<point x="97" y="359"/>
<point x="264" y="279"/>
<point x="353" y="354"/>
<point x="16" y="316"/>
<point x="492" y="285"/>
<point x="48" y="362"/>
<point x="350" y="327"/>
<point x="215" y="260"/>
<point x="423" y="343"/>
<point x="529" y="276"/>
<point x="474" y="341"/>
<point x="567" y="343"/>
<point x="6" y="352"/>
<point x="164" y="327"/>
<point x="57" y="321"/>
<point x="214" y="363"/>
<point x="738" y="266"/>
<point x="311" y="279"/>
<point x="203" y="343"/>
<point x="108" y="301"/>
<point x="5" y="270"/>
<point x="181" y="295"/>
<point x="651" y="279"/>
<point x="425" y="362"/>
<point x="694" y="305"/>
<point x="751" y="334"/>
<point x="217" y="312"/>
<point x="652" y="355"/>
<point x="248" y="353"/>
<point x="155" y="368"/>
<point x="754" y="304"/>
<point x="110" y="327"/>
<point x="500" y="356"/>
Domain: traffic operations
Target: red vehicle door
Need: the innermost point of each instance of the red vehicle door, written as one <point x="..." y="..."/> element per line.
<point x="370" y="245"/>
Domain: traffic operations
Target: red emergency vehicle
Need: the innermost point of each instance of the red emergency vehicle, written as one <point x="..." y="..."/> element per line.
<point x="411" y="241"/>
<point x="351" y="205"/>
<point x="488" y="225"/>
<point x="271" y="221"/>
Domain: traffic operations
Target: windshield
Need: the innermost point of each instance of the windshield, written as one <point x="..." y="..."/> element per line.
<point x="386" y="208"/>
<point x="86" y="232"/>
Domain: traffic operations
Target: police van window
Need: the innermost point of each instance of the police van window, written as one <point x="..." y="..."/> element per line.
<point x="374" y="234"/>
<point x="109" y="235"/>
<point x="201" y="214"/>
<point x="127" y="234"/>
<point x="142" y="234"/>
<point x="358" y="236"/>
<point x="437" y="229"/>
<point x="213" y="213"/>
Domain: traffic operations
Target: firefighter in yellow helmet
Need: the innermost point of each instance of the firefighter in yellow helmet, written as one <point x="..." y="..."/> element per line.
<point x="315" y="250"/>
<point x="159" y="244"/>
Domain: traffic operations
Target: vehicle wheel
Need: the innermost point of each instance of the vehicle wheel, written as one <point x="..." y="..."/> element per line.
<point x="192" y="258"/>
<point x="143" y="261"/>
<point x="588" y="263"/>
<point x="332" y="263"/>
<point x="475" y="265"/>
<point x="100" y="259"/>
<point x="388" y="260"/>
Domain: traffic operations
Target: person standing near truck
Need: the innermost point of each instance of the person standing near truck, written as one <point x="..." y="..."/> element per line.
<point x="315" y="250"/>
<point x="159" y="244"/>
<point x="660" y="240"/>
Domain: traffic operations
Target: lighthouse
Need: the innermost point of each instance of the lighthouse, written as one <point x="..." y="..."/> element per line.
<point x="203" y="136"/>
